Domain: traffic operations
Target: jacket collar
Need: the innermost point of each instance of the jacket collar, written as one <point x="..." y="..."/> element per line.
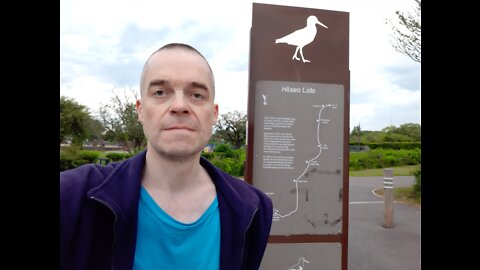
<point x="121" y="189"/>
<point x="236" y="194"/>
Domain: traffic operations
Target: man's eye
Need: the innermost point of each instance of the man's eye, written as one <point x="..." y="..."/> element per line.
<point x="159" y="93"/>
<point x="197" y="96"/>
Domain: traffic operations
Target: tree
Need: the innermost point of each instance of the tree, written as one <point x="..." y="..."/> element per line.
<point x="411" y="130"/>
<point x="389" y="129"/>
<point x="407" y="33"/>
<point x="121" y="122"/>
<point x="408" y="132"/>
<point x="231" y="127"/>
<point x="356" y="134"/>
<point x="96" y="131"/>
<point x="74" y="121"/>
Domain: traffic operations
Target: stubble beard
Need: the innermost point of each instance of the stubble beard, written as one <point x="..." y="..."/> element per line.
<point x="178" y="150"/>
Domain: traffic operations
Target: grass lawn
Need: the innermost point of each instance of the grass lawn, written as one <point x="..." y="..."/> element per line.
<point x="400" y="194"/>
<point x="397" y="171"/>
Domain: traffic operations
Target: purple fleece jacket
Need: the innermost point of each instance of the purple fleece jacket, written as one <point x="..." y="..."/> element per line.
<point x="99" y="212"/>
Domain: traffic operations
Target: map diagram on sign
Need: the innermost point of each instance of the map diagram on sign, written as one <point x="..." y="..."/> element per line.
<point x="298" y="154"/>
<point x="309" y="163"/>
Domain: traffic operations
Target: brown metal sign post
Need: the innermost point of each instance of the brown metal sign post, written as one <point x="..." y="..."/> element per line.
<point x="297" y="141"/>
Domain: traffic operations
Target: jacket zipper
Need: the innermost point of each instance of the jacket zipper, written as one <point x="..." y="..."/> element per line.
<point x="114" y="224"/>
<point x="245" y="237"/>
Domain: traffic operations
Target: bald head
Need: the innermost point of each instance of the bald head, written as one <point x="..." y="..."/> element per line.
<point x="173" y="46"/>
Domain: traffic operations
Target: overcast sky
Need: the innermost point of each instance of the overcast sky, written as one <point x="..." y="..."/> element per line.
<point x="105" y="43"/>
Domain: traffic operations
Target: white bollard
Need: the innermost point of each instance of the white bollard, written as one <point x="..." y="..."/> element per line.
<point x="388" y="197"/>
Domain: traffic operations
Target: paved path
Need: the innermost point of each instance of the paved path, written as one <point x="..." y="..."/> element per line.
<point x="373" y="247"/>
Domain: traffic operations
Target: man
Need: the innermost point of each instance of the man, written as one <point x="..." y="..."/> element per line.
<point x="166" y="207"/>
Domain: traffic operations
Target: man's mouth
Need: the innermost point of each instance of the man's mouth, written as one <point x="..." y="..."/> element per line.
<point x="179" y="127"/>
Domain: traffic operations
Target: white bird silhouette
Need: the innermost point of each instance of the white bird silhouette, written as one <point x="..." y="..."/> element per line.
<point x="299" y="265"/>
<point x="302" y="37"/>
<point x="264" y="99"/>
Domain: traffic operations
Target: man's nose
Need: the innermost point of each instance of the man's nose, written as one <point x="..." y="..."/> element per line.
<point x="179" y="103"/>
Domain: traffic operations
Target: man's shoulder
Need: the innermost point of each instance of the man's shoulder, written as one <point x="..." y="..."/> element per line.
<point x="91" y="175"/>
<point x="244" y="190"/>
<point x="239" y="192"/>
<point x="240" y="183"/>
<point x="86" y="176"/>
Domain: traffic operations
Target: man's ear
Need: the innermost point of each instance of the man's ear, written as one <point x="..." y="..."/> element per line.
<point x="215" y="114"/>
<point x="139" y="107"/>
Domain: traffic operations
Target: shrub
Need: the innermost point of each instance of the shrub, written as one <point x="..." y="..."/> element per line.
<point x="417" y="186"/>
<point x="383" y="158"/>
<point x="116" y="156"/>
<point x="227" y="159"/>
<point x="90" y="156"/>
<point x="225" y="150"/>
<point x="72" y="157"/>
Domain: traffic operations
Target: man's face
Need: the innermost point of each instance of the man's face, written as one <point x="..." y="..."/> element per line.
<point x="176" y="107"/>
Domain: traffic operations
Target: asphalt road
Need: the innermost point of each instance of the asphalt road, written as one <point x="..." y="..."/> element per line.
<point x="372" y="246"/>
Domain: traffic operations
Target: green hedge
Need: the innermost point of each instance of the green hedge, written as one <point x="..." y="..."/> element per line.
<point x="73" y="157"/>
<point x="226" y="158"/>
<point x="232" y="161"/>
<point x="115" y="156"/>
<point x="391" y="145"/>
<point x="417" y="186"/>
<point x="384" y="158"/>
<point x="229" y="160"/>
